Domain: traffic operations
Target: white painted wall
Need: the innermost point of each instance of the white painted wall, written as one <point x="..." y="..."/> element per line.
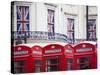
<point x="38" y="17"/>
<point x="41" y="18"/>
<point x="81" y="23"/>
<point x="33" y="17"/>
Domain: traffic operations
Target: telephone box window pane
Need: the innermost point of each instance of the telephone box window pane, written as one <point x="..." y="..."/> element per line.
<point x="84" y="60"/>
<point x="69" y="61"/>
<point x="19" y="66"/>
<point x="37" y="69"/>
<point x="52" y="61"/>
<point x="52" y="64"/>
<point x="69" y="64"/>
<point x="18" y="70"/>
<point x="52" y="68"/>
<point x="37" y="62"/>
<point x="84" y="66"/>
<point x="37" y="65"/>
<point x="84" y="63"/>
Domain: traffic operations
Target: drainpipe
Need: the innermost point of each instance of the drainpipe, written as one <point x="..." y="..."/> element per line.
<point x="87" y="22"/>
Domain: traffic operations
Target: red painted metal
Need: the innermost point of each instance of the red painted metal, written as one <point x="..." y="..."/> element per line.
<point x="65" y="57"/>
<point x="22" y="53"/>
<point x="89" y="51"/>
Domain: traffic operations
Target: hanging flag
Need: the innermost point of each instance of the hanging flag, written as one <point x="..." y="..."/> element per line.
<point x="22" y="18"/>
<point x="91" y="30"/>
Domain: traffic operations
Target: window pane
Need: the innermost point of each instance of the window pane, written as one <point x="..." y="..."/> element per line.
<point x="84" y="59"/>
<point x="37" y="65"/>
<point x="84" y="66"/>
<point x="70" y="30"/>
<point x="18" y="70"/>
<point x="84" y="63"/>
<point x="37" y="68"/>
<point x="37" y="62"/>
<point x="52" y="64"/>
<point x="52" y="68"/>
<point x="69" y="60"/>
<point x="50" y="21"/>
<point x="19" y="66"/>
<point x="69" y="64"/>
<point x="52" y="61"/>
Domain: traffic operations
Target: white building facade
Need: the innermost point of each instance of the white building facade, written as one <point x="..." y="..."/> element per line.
<point x="65" y="19"/>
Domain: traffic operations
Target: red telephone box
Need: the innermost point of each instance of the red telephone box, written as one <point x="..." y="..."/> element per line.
<point x="21" y="59"/>
<point x="53" y="58"/>
<point x="85" y="56"/>
<point x="37" y="58"/>
<point x="69" y="57"/>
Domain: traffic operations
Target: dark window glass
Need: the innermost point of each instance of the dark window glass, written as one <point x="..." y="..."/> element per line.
<point x="50" y="21"/>
<point x="19" y="66"/>
<point x="69" y="64"/>
<point x="84" y="66"/>
<point x="84" y="59"/>
<point x="37" y="65"/>
<point x="52" y="64"/>
<point x="84" y="63"/>
<point x="70" y="30"/>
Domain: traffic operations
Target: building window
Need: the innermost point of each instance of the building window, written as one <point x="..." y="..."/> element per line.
<point x="70" y="30"/>
<point x="91" y="30"/>
<point x="22" y="18"/>
<point x="50" y="21"/>
<point x="52" y="65"/>
<point x="19" y="66"/>
<point x="84" y="63"/>
<point x="69" y="63"/>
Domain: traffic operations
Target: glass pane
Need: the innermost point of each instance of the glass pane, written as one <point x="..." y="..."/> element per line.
<point x="37" y="62"/>
<point x="52" y="68"/>
<point x="37" y="65"/>
<point x="69" y="60"/>
<point x="19" y="66"/>
<point x="69" y="64"/>
<point x="52" y="61"/>
<point x="84" y="66"/>
<point x="83" y="60"/>
<point x="50" y="20"/>
<point x="52" y="64"/>
<point x="37" y="68"/>
<point x="18" y="70"/>
<point x="70" y="30"/>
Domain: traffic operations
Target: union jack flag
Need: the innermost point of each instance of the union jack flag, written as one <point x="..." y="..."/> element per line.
<point x="92" y="35"/>
<point x="22" y="18"/>
<point x="91" y="30"/>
